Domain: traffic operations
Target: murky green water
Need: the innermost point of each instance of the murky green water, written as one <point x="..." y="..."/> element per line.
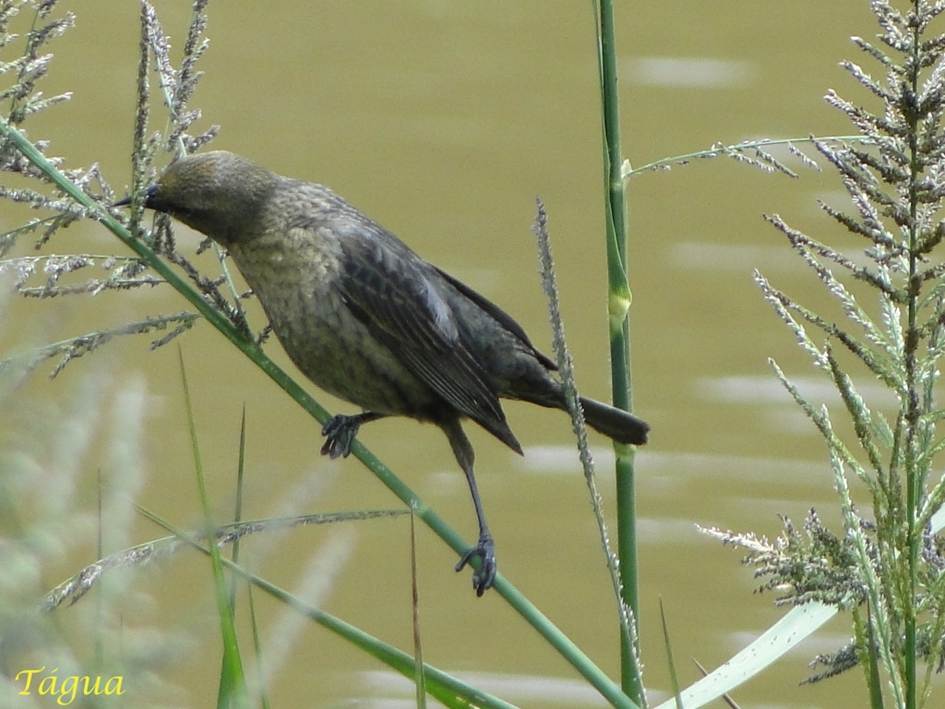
<point x="444" y="121"/>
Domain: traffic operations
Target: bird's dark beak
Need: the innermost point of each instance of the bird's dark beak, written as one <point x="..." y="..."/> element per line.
<point x="148" y="196"/>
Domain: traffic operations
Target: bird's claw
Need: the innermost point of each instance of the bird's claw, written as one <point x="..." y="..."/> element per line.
<point x="339" y="434"/>
<point x="484" y="576"/>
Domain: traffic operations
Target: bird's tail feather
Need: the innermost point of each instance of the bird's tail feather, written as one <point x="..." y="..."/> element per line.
<point x="614" y="423"/>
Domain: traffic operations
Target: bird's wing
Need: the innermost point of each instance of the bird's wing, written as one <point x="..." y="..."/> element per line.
<point x="395" y="293"/>
<point x="502" y="317"/>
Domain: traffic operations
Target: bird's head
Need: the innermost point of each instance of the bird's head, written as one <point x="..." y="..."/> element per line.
<point x="218" y="193"/>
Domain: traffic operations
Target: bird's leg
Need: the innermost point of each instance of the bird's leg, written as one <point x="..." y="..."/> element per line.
<point x="484" y="576"/>
<point x="340" y="431"/>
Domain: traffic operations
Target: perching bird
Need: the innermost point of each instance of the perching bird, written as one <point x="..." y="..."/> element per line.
<point x="368" y="320"/>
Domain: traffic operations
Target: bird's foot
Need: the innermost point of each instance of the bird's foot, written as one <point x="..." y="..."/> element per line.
<point x="339" y="433"/>
<point x="484" y="576"/>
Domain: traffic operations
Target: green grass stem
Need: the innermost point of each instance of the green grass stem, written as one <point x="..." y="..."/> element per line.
<point x="616" y="215"/>
<point x="232" y="680"/>
<point x="237" y="518"/>
<point x="257" y="649"/>
<point x="415" y="619"/>
<point x="874" y="682"/>
<point x="670" y="663"/>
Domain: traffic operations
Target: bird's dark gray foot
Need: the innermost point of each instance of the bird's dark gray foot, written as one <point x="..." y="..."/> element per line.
<point x="484" y="576"/>
<point x="339" y="433"/>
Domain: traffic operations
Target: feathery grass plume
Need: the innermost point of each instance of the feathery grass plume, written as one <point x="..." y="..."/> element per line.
<point x="754" y="153"/>
<point x="124" y="272"/>
<point x="886" y="567"/>
<point x="28" y="68"/>
<point x="51" y="275"/>
<point x="565" y="364"/>
<point x="177" y="88"/>
<point x="21" y="100"/>
<point x="74" y="347"/>
<point x="144" y="148"/>
<point x="76" y="586"/>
